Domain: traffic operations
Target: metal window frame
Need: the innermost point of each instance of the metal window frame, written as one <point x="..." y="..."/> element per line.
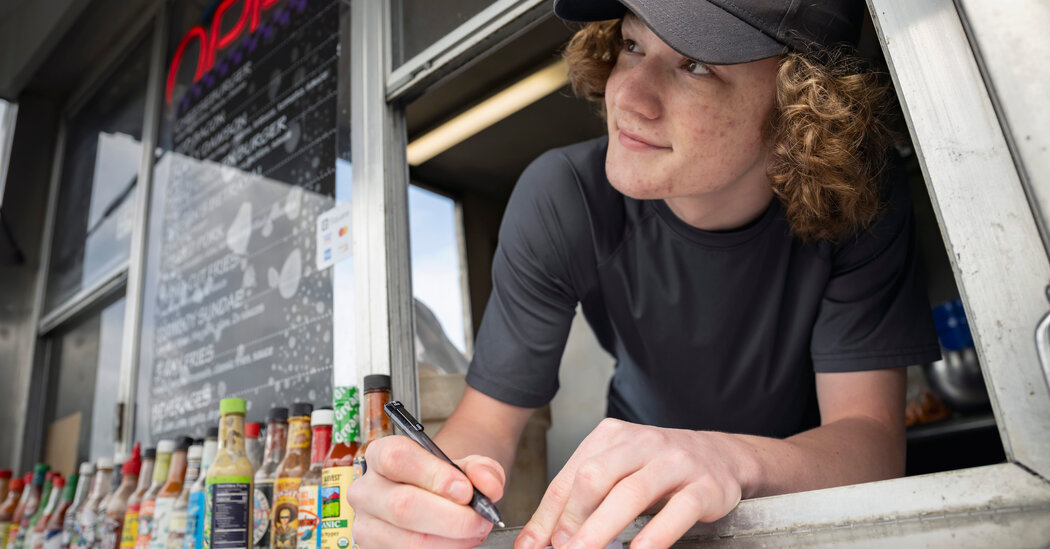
<point x="47" y="321"/>
<point x="990" y="231"/>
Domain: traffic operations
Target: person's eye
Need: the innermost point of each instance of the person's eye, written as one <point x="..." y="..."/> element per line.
<point x="695" y="67"/>
<point x="630" y="45"/>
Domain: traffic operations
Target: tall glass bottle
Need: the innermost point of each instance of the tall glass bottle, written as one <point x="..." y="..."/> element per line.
<point x="377" y="424"/>
<point x="20" y="508"/>
<point x="266" y="474"/>
<point x="309" y="527"/>
<point x="33" y="503"/>
<point x="165" y="449"/>
<point x="285" y="514"/>
<point x="177" y="523"/>
<point x="70" y="526"/>
<point x="130" y="531"/>
<point x="88" y="517"/>
<point x="169" y="493"/>
<point x="196" y="505"/>
<point x="7" y="508"/>
<point x="36" y="536"/>
<point x="117" y="506"/>
<point x="27" y="530"/>
<point x="228" y="513"/>
<point x="252" y="446"/>
<point x="336" y="515"/>
<point x="52" y="538"/>
<point x="114" y="485"/>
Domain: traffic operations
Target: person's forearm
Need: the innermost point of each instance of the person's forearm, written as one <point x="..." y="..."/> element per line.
<point x="487" y="432"/>
<point x="847" y="451"/>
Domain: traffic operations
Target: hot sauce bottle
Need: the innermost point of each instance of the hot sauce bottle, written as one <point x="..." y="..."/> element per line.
<point x="338" y="473"/>
<point x="20" y="508"/>
<point x="88" y="517"/>
<point x="276" y="439"/>
<point x="33" y="503"/>
<point x="7" y="508"/>
<point x="179" y="521"/>
<point x="196" y="505"/>
<point x="284" y="523"/>
<point x="27" y="532"/>
<point x="117" y="506"/>
<point x="309" y="531"/>
<point x="130" y="531"/>
<point x="36" y="537"/>
<point x="70" y="527"/>
<point x="377" y="424"/>
<point x="165" y="449"/>
<point x="228" y="513"/>
<point x="168" y="493"/>
<point x="53" y="529"/>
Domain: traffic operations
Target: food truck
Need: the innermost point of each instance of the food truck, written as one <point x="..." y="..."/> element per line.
<point x="263" y="199"/>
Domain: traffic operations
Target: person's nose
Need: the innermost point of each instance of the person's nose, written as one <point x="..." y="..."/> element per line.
<point x="638" y="90"/>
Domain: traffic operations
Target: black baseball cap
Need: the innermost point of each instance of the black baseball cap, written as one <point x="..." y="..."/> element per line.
<point x="725" y="32"/>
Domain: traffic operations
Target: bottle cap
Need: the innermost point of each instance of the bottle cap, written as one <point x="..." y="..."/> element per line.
<point x="302" y="409"/>
<point x="49" y="476"/>
<point x="213" y="432"/>
<point x="377" y="381"/>
<point x="251" y="429"/>
<point x="104" y="463"/>
<point x="277" y="413"/>
<point x="17" y="485"/>
<point x="195" y="452"/>
<point x="28" y="478"/>
<point x="87" y="468"/>
<point x="150" y="453"/>
<point x="322" y="416"/>
<point x="5" y="473"/>
<point x="71" y="486"/>
<point x="133" y="465"/>
<point x="58" y="482"/>
<point x="183" y="443"/>
<point x="41" y="468"/>
<point x="233" y="406"/>
<point x="165" y="446"/>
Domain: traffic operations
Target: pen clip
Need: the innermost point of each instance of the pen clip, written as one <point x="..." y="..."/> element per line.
<point x="395" y="407"/>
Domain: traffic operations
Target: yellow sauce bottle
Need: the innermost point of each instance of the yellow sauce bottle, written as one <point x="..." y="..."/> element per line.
<point x="228" y="510"/>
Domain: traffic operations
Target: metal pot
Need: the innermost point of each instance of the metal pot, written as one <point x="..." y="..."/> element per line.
<point x="957" y="379"/>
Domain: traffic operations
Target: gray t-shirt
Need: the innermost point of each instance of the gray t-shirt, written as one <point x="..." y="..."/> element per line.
<point x="710" y="330"/>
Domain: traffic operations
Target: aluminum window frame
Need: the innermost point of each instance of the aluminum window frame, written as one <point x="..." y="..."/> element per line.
<point x="110" y="286"/>
<point x="962" y="142"/>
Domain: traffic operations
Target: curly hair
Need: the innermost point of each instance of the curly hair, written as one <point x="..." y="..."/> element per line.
<point x="827" y="131"/>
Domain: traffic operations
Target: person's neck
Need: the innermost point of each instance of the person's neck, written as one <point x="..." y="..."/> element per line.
<point x="724" y="210"/>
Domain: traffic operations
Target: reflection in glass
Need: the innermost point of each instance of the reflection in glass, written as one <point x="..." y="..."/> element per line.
<point x="423" y="22"/>
<point x="95" y="211"/>
<point x="85" y="362"/>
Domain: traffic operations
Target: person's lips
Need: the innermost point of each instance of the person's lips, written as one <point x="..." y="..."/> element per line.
<point x="637" y="142"/>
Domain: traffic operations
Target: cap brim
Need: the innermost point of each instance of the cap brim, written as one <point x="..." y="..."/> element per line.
<point x="697" y="29"/>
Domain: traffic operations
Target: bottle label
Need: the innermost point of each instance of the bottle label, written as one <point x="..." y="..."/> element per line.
<point x="160" y="527"/>
<point x="5" y="530"/>
<point x="285" y="513"/>
<point x="145" y="524"/>
<point x="359" y="467"/>
<point x="308" y="536"/>
<point x="130" y="532"/>
<point x="12" y="534"/>
<point x="88" y="533"/>
<point x="177" y="523"/>
<point x="112" y="533"/>
<point x="53" y="539"/>
<point x="336" y="515"/>
<point x="228" y="517"/>
<point x="263" y="500"/>
<point x="70" y="530"/>
<point x="194" y="521"/>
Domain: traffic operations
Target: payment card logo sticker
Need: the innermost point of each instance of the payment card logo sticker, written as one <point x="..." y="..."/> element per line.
<point x="334" y="236"/>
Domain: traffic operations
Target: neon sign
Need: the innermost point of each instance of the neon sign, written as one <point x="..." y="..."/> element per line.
<point x="213" y="40"/>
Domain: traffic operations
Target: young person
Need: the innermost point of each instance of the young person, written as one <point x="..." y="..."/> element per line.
<point x="736" y="242"/>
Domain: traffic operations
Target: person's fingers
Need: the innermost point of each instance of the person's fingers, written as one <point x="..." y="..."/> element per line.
<point x="373" y="533"/>
<point x="683" y="510"/>
<point x="537" y="531"/>
<point x="400" y="459"/>
<point x="628" y="499"/>
<point x="486" y="474"/>
<point x="593" y="482"/>
<point x="412" y="508"/>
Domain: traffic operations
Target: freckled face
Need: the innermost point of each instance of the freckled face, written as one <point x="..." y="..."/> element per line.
<point x="679" y="128"/>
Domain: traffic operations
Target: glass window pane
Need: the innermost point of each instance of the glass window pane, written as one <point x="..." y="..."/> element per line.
<point x="235" y="301"/>
<point x="441" y="338"/>
<point x="85" y="369"/>
<point x="100" y="167"/>
<point x="8" y="112"/>
<point x="423" y="22"/>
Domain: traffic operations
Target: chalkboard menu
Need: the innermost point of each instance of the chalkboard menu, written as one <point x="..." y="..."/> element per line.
<point x="234" y="306"/>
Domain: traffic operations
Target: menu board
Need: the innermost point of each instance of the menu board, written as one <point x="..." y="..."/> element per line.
<point x="236" y="305"/>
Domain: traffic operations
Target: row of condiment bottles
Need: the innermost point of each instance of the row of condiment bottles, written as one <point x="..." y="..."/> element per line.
<point x="188" y="494"/>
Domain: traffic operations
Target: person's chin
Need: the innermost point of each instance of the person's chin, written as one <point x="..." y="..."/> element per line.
<point x="635" y="187"/>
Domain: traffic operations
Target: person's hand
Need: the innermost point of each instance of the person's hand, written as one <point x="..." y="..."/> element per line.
<point x="620" y="470"/>
<point x="408" y="498"/>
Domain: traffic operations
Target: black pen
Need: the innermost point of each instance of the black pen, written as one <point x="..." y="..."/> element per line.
<point x="414" y="429"/>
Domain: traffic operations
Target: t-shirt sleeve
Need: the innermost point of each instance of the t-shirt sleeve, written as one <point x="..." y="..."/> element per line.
<point x="534" y="294"/>
<point x="874" y="313"/>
